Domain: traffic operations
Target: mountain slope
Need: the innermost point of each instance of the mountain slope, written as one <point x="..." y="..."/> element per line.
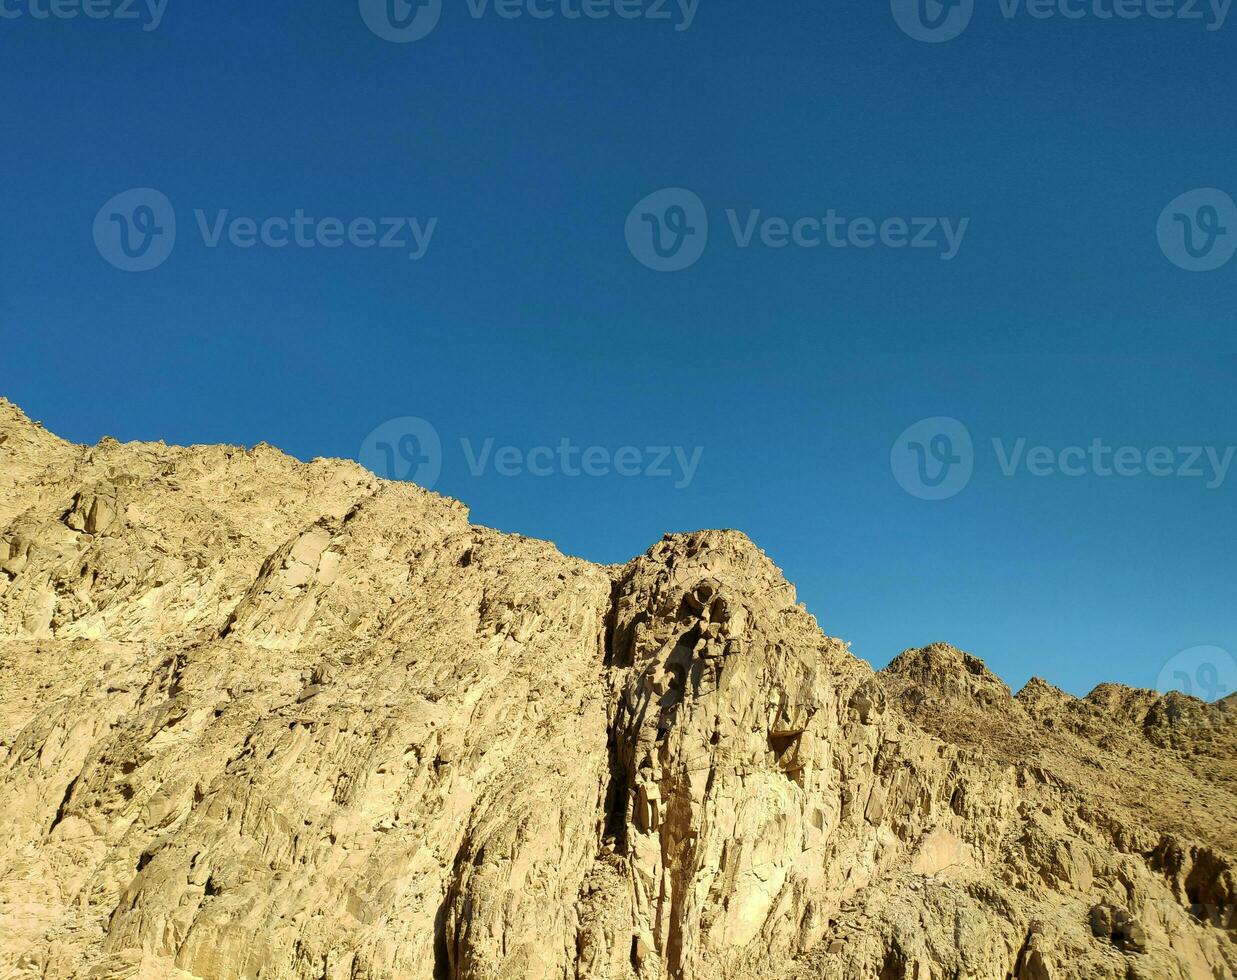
<point x="261" y="718"/>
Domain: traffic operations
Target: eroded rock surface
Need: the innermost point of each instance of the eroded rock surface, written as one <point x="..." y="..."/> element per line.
<point x="261" y="718"/>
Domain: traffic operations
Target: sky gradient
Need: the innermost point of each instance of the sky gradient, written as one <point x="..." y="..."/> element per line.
<point x="523" y="156"/>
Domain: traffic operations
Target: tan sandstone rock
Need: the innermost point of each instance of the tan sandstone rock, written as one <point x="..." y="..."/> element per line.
<point x="260" y="718"/>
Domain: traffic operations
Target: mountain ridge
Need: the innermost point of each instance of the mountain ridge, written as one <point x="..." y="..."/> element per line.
<point x="17" y="417"/>
<point x="266" y="717"/>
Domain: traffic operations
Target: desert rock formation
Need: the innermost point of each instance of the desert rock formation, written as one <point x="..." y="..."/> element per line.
<point x="268" y="719"/>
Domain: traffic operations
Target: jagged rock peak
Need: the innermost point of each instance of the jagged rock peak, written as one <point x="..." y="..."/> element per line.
<point x="1038" y="692"/>
<point x="268" y="719"/>
<point x="944" y="669"/>
<point x="1119" y="697"/>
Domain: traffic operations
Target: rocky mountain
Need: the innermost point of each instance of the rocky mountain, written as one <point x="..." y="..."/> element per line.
<point x="268" y="719"/>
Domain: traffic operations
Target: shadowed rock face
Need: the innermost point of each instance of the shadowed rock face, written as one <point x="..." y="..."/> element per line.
<point x="261" y="718"/>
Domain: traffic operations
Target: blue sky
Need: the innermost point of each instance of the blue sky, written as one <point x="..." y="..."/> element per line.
<point x="1060" y="150"/>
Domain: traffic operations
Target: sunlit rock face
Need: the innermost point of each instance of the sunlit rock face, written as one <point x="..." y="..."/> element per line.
<point x="267" y="719"/>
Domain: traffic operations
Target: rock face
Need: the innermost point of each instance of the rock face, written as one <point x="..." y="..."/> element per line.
<point x="261" y="718"/>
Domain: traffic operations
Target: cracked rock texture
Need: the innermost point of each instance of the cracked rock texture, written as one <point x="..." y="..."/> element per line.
<point x="262" y="718"/>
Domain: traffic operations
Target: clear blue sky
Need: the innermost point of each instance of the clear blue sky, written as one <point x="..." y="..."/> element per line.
<point x="528" y="321"/>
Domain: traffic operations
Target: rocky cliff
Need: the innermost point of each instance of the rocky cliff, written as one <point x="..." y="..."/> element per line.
<point x="260" y="718"/>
